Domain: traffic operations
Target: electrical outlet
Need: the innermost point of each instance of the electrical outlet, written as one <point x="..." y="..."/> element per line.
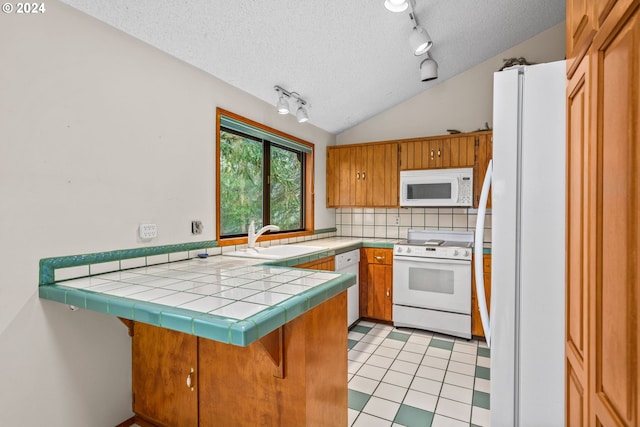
<point x="148" y="231"/>
<point x="196" y="227"/>
<point x="397" y="220"/>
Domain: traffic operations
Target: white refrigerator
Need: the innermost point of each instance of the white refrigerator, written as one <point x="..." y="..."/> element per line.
<point x="527" y="178"/>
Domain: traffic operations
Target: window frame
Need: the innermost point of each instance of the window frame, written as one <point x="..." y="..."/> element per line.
<point x="308" y="185"/>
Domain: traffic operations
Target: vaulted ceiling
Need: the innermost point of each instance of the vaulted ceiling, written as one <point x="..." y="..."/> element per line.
<point x="350" y="60"/>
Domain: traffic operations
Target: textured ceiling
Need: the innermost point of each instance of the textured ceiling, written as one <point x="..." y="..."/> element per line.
<point x="349" y="59"/>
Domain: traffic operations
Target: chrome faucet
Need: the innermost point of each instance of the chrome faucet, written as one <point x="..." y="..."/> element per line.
<point x="252" y="235"/>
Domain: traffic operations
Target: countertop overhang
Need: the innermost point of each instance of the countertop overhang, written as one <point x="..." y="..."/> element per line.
<point x="231" y="300"/>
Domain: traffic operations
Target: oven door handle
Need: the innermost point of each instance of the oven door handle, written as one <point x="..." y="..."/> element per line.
<point x="429" y="260"/>
<point x="478" y="250"/>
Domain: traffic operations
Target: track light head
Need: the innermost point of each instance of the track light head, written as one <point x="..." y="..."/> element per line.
<point x="396" y="5"/>
<point x="301" y="114"/>
<point x="428" y="69"/>
<point x="283" y="104"/>
<point x="420" y="41"/>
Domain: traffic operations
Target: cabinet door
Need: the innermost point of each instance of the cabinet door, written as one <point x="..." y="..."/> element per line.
<point x="484" y="152"/>
<point x="379" y="282"/>
<point x="162" y="362"/>
<point x="580" y="27"/>
<point x="382" y="175"/>
<point x="333" y="177"/>
<point x="462" y="151"/>
<point x="414" y="155"/>
<point x="380" y="278"/>
<point x="476" y="321"/>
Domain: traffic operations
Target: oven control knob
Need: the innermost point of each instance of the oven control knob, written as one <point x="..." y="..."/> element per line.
<point x="455" y="252"/>
<point x="466" y="252"/>
<point x="408" y="250"/>
<point x="399" y="250"/>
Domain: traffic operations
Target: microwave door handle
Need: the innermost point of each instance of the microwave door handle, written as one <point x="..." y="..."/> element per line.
<point x="478" y="249"/>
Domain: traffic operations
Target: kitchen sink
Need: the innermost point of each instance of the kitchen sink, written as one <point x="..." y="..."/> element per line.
<point x="275" y="252"/>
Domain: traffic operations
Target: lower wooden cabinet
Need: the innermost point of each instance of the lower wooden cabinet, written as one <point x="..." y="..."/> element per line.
<point x="294" y="376"/>
<point x="376" y="283"/>
<point x="325" y="264"/>
<point x="476" y="322"/>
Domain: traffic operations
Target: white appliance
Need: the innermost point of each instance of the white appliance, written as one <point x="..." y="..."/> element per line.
<point x="348" y="262"/>
<point x="436" y="187"/>
<point x="526" y="327"/>
<point x="432" y="281"/>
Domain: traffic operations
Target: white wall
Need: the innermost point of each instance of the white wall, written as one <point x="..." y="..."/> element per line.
<point x="464" y="102"/>
<point x="98" y="133"/>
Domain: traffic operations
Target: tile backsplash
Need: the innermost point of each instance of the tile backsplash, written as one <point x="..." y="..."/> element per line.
<point x="394" y="223"/>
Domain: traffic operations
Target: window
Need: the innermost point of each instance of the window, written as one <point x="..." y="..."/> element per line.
<point x="263" y="176"/>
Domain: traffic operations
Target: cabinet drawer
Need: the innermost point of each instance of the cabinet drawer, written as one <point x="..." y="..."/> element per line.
<point x="379" y="256"/>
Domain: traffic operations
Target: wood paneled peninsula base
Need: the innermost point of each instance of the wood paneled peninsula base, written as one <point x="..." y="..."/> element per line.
<point x="294" y="376"/>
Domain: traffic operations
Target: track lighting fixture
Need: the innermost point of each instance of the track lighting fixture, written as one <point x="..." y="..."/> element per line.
<point x="428" y="69"/>
<point x="419" y="39"/>
<point x="283" y="104"/>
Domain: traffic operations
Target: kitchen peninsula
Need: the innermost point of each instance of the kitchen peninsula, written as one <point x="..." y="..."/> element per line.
<point x="224" y="341"/>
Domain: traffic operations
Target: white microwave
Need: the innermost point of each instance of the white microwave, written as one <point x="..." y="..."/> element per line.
<point x="436" y="187"/>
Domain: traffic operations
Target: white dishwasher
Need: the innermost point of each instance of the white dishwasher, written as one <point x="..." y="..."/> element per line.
<point x="348" y="263"/>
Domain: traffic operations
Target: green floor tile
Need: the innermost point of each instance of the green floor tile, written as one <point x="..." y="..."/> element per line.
<point x="481" y="399"/>
<point x="357" y="399"/>
<point x="413" y="417"/>
<point x="482" y="372"/>
<point x="361" y="329"/>
<point x="484" y="352"/>
<point x="398" y="336"/>
<point x="447" y="345"/>
<point x="352" y="343"/>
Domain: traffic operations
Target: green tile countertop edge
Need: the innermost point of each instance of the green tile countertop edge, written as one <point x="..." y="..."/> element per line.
<point x="218" y="328"/>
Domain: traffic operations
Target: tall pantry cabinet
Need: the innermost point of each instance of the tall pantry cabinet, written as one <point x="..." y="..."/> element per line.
<point x="602" y="345"/>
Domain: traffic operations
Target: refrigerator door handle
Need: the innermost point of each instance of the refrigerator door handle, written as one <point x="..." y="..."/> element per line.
<point x="478" y="249"/>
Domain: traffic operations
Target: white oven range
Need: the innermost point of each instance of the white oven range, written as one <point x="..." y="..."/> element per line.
<point x="432" y="281"/>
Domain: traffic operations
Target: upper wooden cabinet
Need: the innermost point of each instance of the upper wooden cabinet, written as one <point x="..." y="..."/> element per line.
<point x="367" y="175"/>
<point x="362" y="175"/>
<point x="584" y="19"/>
<point x="451" y="151"/>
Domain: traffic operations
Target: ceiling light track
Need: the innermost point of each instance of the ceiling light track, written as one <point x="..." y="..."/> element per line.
<point x="283" y="103"/>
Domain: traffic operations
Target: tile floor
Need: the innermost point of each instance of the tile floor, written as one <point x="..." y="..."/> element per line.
<point x="407" y="377"/>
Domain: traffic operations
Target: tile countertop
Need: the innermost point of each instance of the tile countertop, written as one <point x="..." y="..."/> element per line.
<point x="227" y="299"/>
<point x="223" y="298"/>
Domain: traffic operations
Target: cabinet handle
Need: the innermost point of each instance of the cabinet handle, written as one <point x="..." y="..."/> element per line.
<point x="432" y="154"/>
<point x="357" y="175"/>
<point x="379" y="258"/>
<point x="438" y="152"/>
<point x="189" y="380"/>
<point x="363" y="175"/>
<point x="387" y="292"/>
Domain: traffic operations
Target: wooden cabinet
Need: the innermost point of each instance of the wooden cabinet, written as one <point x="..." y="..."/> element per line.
<point x="451" y="151"/>
<point x="162" y="362"/>
<point x="362" y="175"/>
<point x="476" y="321"/>
<point x="376" y="283"/>
<point x="602" y="348"/>
<point x="367" y="175"/>
<point x="326" y="264"/>
<point x="294" y="376"/>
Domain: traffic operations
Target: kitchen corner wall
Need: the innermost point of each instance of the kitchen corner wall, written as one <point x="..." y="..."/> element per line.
<point x="394" y="223"/>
